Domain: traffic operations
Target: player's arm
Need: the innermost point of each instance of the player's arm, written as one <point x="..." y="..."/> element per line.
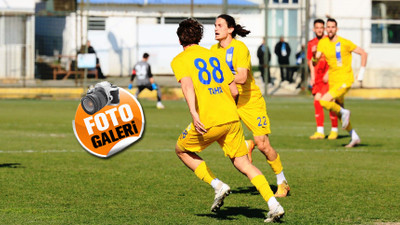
<point x="190" y="96"/>
<point x="364" y="57"/>
<point x="234" y="91"/>
<point x="316" y="58"/>
<point x="312" y="72"/>
<point x="241" y="76"/>
<point x="325" y="78"/>
<point x="133" y="75"/>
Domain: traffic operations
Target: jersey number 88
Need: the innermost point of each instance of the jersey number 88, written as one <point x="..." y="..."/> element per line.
<point x="201" y="65"/>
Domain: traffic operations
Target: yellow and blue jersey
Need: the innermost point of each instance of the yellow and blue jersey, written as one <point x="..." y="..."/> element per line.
<point x="211" y="79"/>
<point x="338" y="56"/>
<point x="237" y="55"/>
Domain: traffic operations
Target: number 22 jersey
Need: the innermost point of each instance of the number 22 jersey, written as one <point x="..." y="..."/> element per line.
<point x="211" y="78"/>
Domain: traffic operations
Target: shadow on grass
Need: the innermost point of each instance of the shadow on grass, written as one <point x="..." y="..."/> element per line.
<point x="251" y="190"/>
<point x="11" y="165"/>
<point x="342" y="136"/>
<point x="229" y="213"/>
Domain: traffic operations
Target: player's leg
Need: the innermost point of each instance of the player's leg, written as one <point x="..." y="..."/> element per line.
<point x="327" y="101"/>
<point x="140" y="89"/>
<point x="155" y="87"/>
<point x="274" y="161"/>
<point x="233" y="145"/>
<point x="319" y="118"/>
<point x="332" y="115"/>
<point x="355" y="139"/>
<point x="187" y="145"/>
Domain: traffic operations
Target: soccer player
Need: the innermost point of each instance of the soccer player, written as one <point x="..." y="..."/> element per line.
<point x="319" y="83"/>
<point x="337" y="51"/>
<point x="142" y="71"/>
<point x="210" y="90"/>
<point x="251" y="104"/>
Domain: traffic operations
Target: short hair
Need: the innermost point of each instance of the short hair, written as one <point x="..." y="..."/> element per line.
<point x="190" y="31"/>
<point x="319" y="21"/>
<point x="146" y="55"/>
<point x="331" y="20"/>
<point x="238" y="29"/>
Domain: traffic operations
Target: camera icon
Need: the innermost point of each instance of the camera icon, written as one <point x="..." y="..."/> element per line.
<point x="103" y="93"/>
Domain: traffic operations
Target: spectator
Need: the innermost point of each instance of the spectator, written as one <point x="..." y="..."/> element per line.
<point x="98" y="68"/>
<point x="282" y="50"/>
<point x="260" y="54"/>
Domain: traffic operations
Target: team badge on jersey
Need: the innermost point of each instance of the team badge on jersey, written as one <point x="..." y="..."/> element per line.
<point x="108" y="120"/>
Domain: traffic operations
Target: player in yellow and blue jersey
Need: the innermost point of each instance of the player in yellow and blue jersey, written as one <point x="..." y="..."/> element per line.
<point x="209" y="89"/>
<point x="251" y="104"/>
<point x="338" y="54"/>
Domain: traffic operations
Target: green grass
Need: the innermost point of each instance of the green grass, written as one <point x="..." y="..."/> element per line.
<point x="47" y="178"/>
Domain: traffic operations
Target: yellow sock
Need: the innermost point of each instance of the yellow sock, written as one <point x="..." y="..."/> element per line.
<point x="331" y="106"/>
<point x="204" y="173"/>
<point x="263" y="187"/>
<point x="276" y="165"/>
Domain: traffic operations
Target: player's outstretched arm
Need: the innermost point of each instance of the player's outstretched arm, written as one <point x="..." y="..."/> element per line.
<point x="190" y="96"/>
<point x="364" y="57"/>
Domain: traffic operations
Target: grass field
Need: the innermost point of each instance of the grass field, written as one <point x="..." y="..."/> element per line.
<point x="47" y="178"/>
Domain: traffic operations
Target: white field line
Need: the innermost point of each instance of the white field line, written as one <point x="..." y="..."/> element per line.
<point x="30" y="151"/>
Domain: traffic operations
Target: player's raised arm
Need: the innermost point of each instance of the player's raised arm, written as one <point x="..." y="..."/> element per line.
<point x="190" y="96"/>
<point x="364" y="57"/>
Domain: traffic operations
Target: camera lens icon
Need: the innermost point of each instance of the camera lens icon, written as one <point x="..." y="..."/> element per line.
<point x="103" y="93"/>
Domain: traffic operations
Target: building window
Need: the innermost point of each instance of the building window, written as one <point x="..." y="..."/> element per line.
<point x="385" y="24"/>
<point x="97" y="23"/>
<point x="285" y="1"/>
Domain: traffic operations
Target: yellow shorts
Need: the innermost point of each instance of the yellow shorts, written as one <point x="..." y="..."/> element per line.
<point x="255" y="117"/>
<point x="229" y="136"/>
<point x="339" y="90"/>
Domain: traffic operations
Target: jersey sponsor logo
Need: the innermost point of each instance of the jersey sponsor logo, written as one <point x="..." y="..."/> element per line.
<point x="111" y="129"/>
<point x="338" y="54"/>
<point x="229" y="57"/>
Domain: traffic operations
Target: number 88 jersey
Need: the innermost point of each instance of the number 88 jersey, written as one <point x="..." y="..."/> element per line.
<point x="211" y="78"/>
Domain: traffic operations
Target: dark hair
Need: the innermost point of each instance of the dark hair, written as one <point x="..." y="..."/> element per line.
<point x="230" y="21"/>
<point x="319" y="21"/>
<point x="146" y="55"/>
<point x="331" y="20"/>
<point x="190" y="31"/>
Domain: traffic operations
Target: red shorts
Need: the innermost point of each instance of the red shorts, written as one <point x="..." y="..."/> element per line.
<point x="320" y="87"/>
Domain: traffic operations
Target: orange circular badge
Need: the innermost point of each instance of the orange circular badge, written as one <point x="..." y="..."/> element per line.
<point x="108" y="120"/>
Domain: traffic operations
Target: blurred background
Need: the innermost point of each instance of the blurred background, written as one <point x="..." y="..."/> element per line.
<point x="39" y="39"/>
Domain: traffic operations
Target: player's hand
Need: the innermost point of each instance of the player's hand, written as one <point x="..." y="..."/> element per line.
<point x="198" y="125"/>
<point x="154" y="86"/>
<point x="312" y="82"/>
<point x="130" y="86"/>
<point x="325" y="78"/>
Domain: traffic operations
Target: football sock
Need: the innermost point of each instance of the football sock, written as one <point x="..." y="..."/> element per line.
<point x="335" y="129"/>
<point x="263" y="187"/>
<point x="319" y="114"/>
<point x="272" y="203"/>
<point x="215" y="183"/>
<point x="276" y="165"/>
<point x="320" y="130"/>
<point x="204" y="173"/>
<point x="334" y="119"/>
<point x="354" y="135"/>
<point x="280" y="178"/>
<point x="349" y="127"/>
<point x="331" y="106"/>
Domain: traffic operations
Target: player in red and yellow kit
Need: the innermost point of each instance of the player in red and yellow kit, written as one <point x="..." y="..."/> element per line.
<point x="319" y="83"/>
<point x="251" y="104"/>
<point x="209" y="89"/>
<point x="337" y="51"/>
